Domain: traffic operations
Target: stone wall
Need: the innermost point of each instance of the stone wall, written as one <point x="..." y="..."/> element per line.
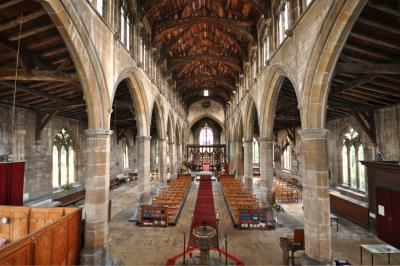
<point x="388" y="134"/>
<point x="38" y="154"/>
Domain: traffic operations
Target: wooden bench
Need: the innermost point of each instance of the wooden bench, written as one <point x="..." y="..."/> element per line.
<point x="72" y="198"/>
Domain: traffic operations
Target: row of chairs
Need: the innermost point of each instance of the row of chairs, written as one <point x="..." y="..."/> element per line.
<point x="236" y="196"/>
<point x="173" y="196"/>
<point x="288" y="191"/>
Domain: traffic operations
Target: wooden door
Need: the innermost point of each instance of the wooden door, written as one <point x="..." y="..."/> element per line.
<point x="396" y="218"/>
<point x="388" y="216"/>
<point x="383" y="214"/>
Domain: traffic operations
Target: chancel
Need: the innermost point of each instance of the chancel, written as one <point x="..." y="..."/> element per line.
<point x="199" y="132"/>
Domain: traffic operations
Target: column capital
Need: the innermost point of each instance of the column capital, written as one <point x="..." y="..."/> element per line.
<point x="313" y="133"/>
<point x="265" y="139"/>
<point x="98" y="132"/>
<point x="248" y="140"/>
<point x="143" y="138"/>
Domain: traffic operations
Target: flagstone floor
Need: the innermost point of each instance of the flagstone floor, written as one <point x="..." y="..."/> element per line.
<point x="134" y="245"/>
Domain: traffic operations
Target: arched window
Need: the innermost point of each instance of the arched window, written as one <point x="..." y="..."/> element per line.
<point x="125" y="23"/>
<point x="125" y="150"/>
<point x="63" y="159"/>
<point x="206" y="136"/>
<point x="256" y="152"/>
<point x="353" y="172"/>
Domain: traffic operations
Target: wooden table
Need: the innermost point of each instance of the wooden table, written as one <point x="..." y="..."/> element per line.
<point x="334" y="218"/>
<point x="378" y="249"/>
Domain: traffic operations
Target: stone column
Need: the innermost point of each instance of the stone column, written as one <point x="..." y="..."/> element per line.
<point x="318" y="245"/>
<point x="172" y="159"/>
<point x="152" y="154"/>
<point x="96" y="249"/>
<point x="178" y="155"/>
<point x="266" y="170"/>
<point x="248" y="163"/>
<point x="162" y="168"/>
<point x="143" y="159"/>
<point x="237" y="149"/>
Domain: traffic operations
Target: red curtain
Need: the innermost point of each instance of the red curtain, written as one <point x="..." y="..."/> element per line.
<point x="12" y="183"/>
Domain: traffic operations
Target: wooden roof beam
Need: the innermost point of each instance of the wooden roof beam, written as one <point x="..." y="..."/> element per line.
<point x="38" y="75"/>
<point x="38" y="93"/>
<point x="235" y="26"/>
<point x="229" y="61"/>
<point x="388" y="69"/>
<point x="26" y="18"/>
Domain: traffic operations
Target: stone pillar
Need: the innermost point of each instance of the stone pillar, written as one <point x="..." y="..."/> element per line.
<point x="318" y="245"/>
<point x="172" y="159"/>
<point x="266" y="170"/>
<point x="96" y="249"/>
<point x="237" y="149"/>
<point x="152" y="154"/>
<point x="178" y="155"/>
<point x="162" y="168"/>
<point x="248" y="163"/>
<point x="143" y="159"/>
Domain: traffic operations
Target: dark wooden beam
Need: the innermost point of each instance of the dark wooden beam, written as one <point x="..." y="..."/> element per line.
<point x="42" y="120"/>
<point x="10" y="3"/>
<point x="38" y="75"/>
<point x="384" y="8"/>
<point x="236" y="26"/>
<point x="356" y="82"/>
<point x="260" y="6"/>
<point x="388" y="69"/>
<point x="373" y="39"/>
<point x="226" y="60"/>
<point x="26" y="18"/>
<point x="378" y="25"/>
<point x="364" y="126"/>
<point x="39" y="93"/>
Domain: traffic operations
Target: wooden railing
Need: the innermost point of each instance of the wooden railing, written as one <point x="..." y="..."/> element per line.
<point x="52" y="239"/>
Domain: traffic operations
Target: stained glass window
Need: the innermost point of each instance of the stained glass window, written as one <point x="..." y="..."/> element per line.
<point x="206" y="136"/>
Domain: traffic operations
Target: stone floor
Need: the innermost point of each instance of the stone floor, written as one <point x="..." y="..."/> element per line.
<point x="134" y="245"/>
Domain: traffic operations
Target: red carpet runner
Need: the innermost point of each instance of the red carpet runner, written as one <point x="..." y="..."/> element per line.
<point x="204" y="209"/>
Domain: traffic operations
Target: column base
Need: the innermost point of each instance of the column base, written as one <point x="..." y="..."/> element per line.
<point x="100" y="256"/>
<point x="310" y="261"/>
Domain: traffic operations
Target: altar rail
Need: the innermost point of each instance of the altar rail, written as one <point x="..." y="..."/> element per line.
<point x="40" y="236"/>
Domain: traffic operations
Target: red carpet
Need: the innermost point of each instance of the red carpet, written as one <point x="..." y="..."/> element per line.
<point x="204" y="209"/>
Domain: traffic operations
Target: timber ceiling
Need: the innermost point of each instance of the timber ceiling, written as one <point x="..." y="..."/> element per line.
<point x="367" y="76"/>
<point x="204" y="42"/>
<point x="47" y="79"/>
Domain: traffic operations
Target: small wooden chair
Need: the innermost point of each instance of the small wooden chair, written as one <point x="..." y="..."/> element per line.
<point x="297" y="243"/>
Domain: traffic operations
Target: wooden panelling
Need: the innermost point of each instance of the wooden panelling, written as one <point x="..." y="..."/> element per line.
<point x="350" y="209"/>
<point x="17" y="254"/>
<point x="56" y="243"/>
<point x="41" y="217"/>
<point x="18" y="223"/>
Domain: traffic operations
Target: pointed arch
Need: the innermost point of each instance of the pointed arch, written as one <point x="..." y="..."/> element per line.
<point x="158" y="110"/>
<point x="334" y="32"/>
<point x="138" y="96"/>
<point x="249" y="117"/>
<point x="83" y="53"/>
<point x="270" y="98"/>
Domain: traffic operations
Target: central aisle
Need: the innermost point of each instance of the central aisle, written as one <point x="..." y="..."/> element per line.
<point x="204" y="209"/>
